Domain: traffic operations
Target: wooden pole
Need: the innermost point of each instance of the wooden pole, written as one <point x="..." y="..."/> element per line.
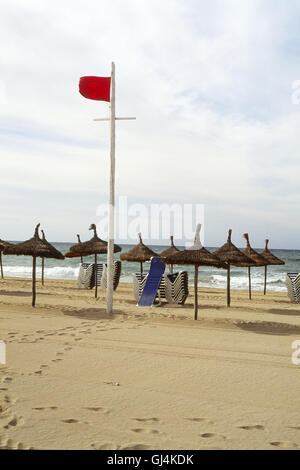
<point x="96" y="277"/>
<point x="196" y="292"/>
<point x="110" y="251"/>
<point x="265" y="283"/>
<point x="228" y="285"/>
<point x="249" y="279"/>
<point x="141" y="267"/>
<point x="1" y="264"/>
<point x="33" y="280"/>
<point x="43" y="266"/>
<point x="171" y="268"/>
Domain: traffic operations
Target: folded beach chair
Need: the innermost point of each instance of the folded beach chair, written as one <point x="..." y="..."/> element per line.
<point x="173" y="287"/>
<point x="116" y="275"/>
<point x="139" y="281"/>
<point x="176" y="287"/>
<point x="86" y="275"/>
<point x="293" y="286"/>
<point x="157" y="269"/>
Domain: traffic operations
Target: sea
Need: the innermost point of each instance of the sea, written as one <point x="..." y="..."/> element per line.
<point x="21" y="266"/>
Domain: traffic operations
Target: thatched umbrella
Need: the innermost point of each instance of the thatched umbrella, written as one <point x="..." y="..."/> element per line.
<point x="139" y="253"/>
<point x="35" y="247"/>
<point x="93" y="246"/>
<point x="195" y="255"/>
<point x="252" y="254"/>
<point x="172" y="250"/>
<point x="3" y="245"/>
<point x="271" y="260"/>
<point x="71" y="254"/>
<point x="232" y="256"/>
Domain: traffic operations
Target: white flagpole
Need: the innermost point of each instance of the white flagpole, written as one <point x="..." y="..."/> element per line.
<point x="111" y="213"/>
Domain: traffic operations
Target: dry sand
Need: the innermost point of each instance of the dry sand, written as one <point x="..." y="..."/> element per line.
<point x="147" y="378"/>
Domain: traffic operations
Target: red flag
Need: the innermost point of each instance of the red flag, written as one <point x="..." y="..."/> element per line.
<point x="95" y="88"/>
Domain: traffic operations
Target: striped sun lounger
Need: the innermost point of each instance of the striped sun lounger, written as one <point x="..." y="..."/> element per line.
<point x="293" y="286"/>
<point x="86" y="276"/>
<point x="173" y="287"/>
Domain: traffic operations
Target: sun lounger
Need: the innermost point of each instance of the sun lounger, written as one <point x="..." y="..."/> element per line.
<point x="176" y="287"/>
<point x="172" y="287"/>
<point x="157" y="269"/>
<point x="86" y="276"/>
<point x="116" y="275"/>
<point x="293" y="286"/>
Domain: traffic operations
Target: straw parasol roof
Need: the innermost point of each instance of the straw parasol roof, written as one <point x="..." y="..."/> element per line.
<point x="232" y="256"/>
<point x="248" y="251"/>
<point x="259" y="260"/>
<point x="4" y="244"/>
<point x="35" y="247"/>
<point x="171" y="250"/>
<point x="139" y="253"/>
<point x="271" y="260"/>
<point x="269" y="257"/>
<point x="72" y="254"/>
<point x="195" y="255"/>
<point x="93" y="246"/>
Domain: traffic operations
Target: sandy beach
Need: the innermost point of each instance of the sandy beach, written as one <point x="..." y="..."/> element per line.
<point x="147" y="378"/>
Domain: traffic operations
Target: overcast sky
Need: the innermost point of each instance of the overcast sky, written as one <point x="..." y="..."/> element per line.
<point x="210" y="84"/>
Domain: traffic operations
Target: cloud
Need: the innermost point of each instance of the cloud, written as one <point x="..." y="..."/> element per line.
<point x="210" y="85"/>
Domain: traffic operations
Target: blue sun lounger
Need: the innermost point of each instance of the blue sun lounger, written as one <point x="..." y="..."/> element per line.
<point x="157" y="268"/>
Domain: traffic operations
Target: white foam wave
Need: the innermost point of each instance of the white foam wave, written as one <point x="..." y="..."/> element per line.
<point x="56" y="272"/>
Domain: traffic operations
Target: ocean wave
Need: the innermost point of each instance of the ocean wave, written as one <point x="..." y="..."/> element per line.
<point x="55" y="272"/>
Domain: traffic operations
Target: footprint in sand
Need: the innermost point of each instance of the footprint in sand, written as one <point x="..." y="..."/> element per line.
<point x="211" y="435"/>
<point x="14" y="422"/>
<point x="105" y="446"/>
<point x="40" y="408"/>
<point x="7" y="380"/>
<point x="73" y="421"/>
<point x="9" y="444"/>
<point x="254" y="427"/>
<point x="147" y="420"/>
<point x="201" y="420"/>
<point x="56" y="360"/>
<point x="97" y="408"/>
<point x="284" y="445"/>
<point x="146" y="431"/>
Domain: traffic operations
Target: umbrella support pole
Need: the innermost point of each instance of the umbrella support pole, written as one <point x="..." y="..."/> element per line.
<point x="141" y="267"/>
<point x="171" y="268"/>
<point x="196" y="292"/>
<point x="1" y="264"/>
<point x="228" y="286"/>
<point x="265" y="283"/>
<point x="43" y="266"/>
<point x="249" y="279"/>
<point x="96" y="277"/>
<point x="33" y="280"/>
